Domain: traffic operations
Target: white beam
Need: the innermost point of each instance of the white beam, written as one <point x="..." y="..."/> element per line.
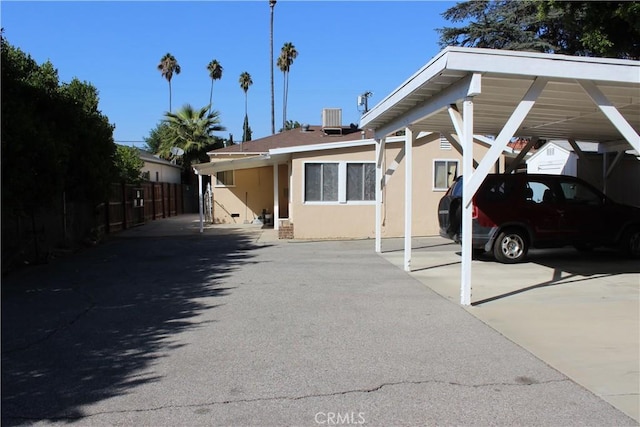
<point x="456" y="144"/>
<point x="408" y="196"/>
<point x="276" y="198"/>
<point x="612" y="113"/>
<point x="432" y="105"/>
<point x="379" y="157"/>
<point x="507" y="132"/>
<point x="467" y="229"/>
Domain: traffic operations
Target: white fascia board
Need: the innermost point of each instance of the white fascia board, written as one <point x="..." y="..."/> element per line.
<point x="235" y="153"/>
<point x="336" y="145"/>
<point x="492" y="61"/>
<point x="427" y="72"/>
<point x="430" y="106"/>
<point x="232" y="164"/>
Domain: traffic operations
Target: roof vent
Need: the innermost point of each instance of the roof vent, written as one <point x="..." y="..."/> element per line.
<point x="332" y="120"/>
<point x="305" y="127"/>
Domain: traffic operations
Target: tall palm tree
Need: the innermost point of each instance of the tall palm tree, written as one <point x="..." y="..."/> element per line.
<point x="287" y="54"/>
<point x="168" y="66"/>
<point x="191" y="129"/>
<point x="245" y="81"/>
<point x="215" y="72"/>
<point x="272" y="4"/>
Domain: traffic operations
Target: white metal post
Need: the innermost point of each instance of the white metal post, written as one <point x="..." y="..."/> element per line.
<point x="200" y="207"/>
<point x="467" y="229"/>
<point x="408" y="196"/>
<point x="379" y="175"/>
<point x="276" y="206"/>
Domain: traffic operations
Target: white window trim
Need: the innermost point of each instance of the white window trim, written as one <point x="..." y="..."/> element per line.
<point x="342" y="184"/>
<point x="433" y="174"/>
<point x="218" y="185"/>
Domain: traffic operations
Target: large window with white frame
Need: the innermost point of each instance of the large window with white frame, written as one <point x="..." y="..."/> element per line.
<point x="444" y="173"/>
<point x="339" y="182"/>
<point x="225" y="179"/>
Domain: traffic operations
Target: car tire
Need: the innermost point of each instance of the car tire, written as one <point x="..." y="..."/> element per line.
<point x="630" y="242"/>
<point x="511" y="246"/>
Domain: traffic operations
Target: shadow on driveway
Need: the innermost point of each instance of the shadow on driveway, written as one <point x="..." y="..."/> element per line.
<point x="90" y="326"/>
<point x="570" y="266"/>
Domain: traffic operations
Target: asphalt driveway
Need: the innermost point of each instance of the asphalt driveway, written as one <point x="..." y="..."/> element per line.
<point x="162" y="326"/>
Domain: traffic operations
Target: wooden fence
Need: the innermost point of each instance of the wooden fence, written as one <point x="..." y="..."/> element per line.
<point x="132" y="205"/>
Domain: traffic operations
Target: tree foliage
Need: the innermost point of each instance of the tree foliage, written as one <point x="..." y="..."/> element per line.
<point x="192" y="131"/>
<point x="54" y="138"/>
<point x="169" y="66"/>
<point x="288" y="54"/>
<point x="245" y="82"/>
<point x="610" y="29"/>
<point x="215" y="73"/>
<point x="128" y="164"/>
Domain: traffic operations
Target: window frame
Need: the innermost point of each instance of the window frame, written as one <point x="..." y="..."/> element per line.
<point x="433" y="176"/>
<point x="223" y="185"/>
<point x="342" y="183"/>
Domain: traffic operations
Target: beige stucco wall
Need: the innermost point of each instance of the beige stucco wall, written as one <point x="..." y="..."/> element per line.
<point x="330" y="221"/>
<point x="255" y="186"/>
<point x="165" y="173"/>
<point x="335" y="220"/>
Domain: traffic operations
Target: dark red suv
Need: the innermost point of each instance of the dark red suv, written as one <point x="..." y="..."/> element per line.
<point x="512" y="213"/>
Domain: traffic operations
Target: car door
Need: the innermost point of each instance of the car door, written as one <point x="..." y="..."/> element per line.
<point x="544" y="211"/>
<point x="583" y="213"/>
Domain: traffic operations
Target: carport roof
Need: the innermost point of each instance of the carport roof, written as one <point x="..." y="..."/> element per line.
<point x="563" y="110"/>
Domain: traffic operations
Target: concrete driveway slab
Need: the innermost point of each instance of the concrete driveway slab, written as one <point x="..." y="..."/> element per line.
<point x="578" y="312"/>
<point x="228" y="329"/>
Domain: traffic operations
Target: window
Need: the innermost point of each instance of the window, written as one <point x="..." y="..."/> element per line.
<point x="361" y="181"/>
<point x="340" y="182"/>
<point x="321" y="182"/>
<point x="578" y="193"/>
<point x="444" y="173"/>
<point x="225" y="179"/>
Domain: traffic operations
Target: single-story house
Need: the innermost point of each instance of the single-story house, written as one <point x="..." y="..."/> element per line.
<point x="324" y="178"/>
<point x="156" y="169"/>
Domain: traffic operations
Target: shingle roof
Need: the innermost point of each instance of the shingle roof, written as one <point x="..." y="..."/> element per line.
<point x="293" y="138"/>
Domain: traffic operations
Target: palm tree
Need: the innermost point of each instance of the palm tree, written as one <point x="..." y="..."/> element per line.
<point x="191" y="129"/>
<point x="272" y="4"/>
<point x="215" y="72"/>
<point x="245" y="81"/>
<point x="168" y="66"/>
<point x="287" y="54"/>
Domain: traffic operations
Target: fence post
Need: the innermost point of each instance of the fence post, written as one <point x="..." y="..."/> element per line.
<point x="124" y="206"/>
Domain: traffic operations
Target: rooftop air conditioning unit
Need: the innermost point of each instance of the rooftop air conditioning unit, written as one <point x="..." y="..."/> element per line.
<point x="332" y="118"/>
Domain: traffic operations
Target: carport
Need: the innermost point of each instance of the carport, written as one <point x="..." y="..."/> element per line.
<point x="467" y="94"/>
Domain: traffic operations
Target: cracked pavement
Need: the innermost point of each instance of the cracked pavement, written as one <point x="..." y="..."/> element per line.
<point x="224" y="329"/>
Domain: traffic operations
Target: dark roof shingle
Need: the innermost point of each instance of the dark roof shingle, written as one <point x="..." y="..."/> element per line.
<point x="295" y="137"/>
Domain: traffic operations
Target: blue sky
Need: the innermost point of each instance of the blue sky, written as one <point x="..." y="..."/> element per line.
<point x="345" y="49"/>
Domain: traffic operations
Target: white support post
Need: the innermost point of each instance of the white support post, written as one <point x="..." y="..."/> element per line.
<point x="467" y="229"/>
<point x="379" y="178"/>
<point x="200" y="204"/>
<point x="290" y="192"/>
<point x="408" y="196"/>
<point x="276" y="206"/>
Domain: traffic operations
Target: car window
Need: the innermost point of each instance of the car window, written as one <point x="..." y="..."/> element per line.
<point x="578" y="193"/>
<point x="539" y="192"/>
<point x="496" y="190"/>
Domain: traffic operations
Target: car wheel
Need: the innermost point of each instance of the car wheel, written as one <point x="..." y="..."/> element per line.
<point x="511" y="246"/>
<point x="630" y="243"/>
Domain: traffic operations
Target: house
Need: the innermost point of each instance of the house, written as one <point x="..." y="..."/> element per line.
<point x="318" y="182"/>
<point x="592" y="162"/>
<point x="156" y="169"/>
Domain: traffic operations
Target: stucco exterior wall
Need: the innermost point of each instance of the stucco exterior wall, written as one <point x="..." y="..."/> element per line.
<point x="253" y="186"/>
<point x="162" y="173"/>
<point x="334" y="220"/>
